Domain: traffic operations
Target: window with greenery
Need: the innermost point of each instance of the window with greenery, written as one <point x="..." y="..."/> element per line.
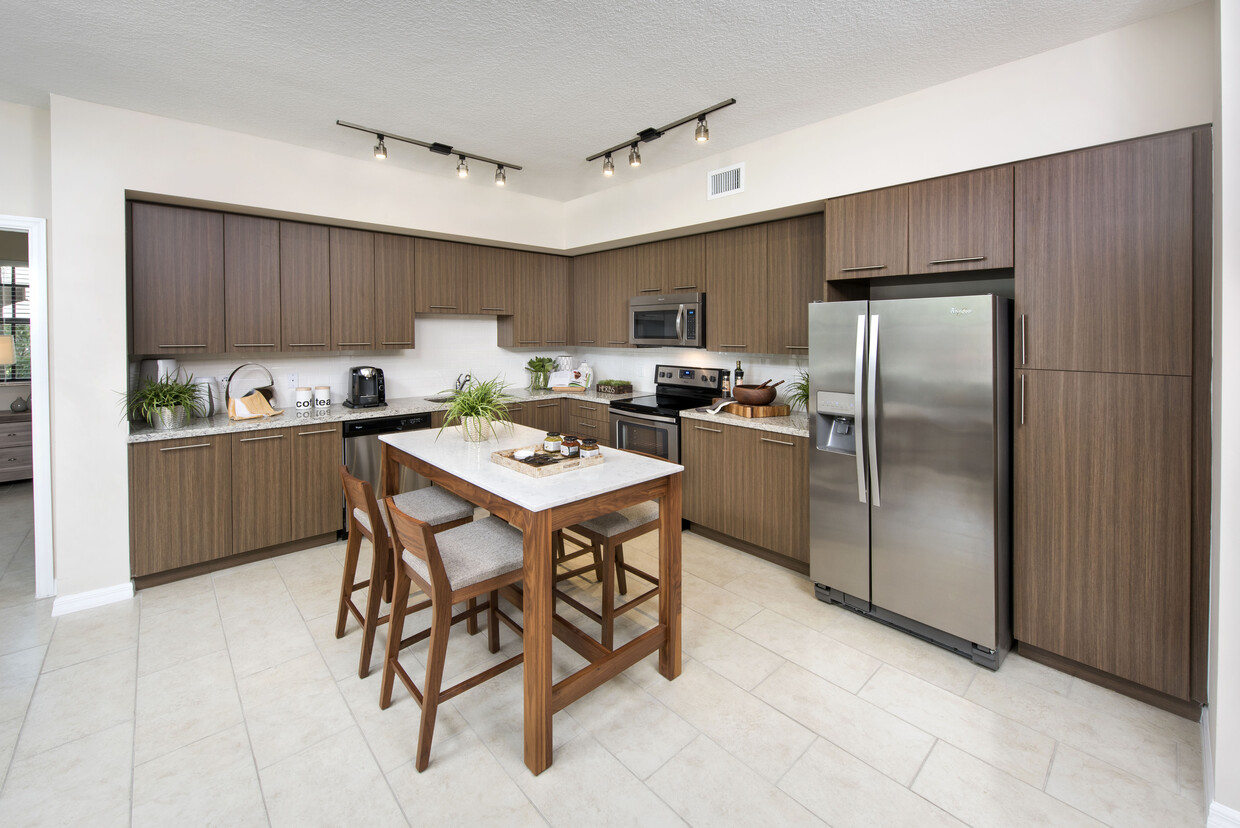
<point x="15" y="320"/>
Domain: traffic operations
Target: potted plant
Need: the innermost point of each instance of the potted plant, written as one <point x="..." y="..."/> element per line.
<point x="613" y="386"/>
<point x="478" y="406"/>
<point x="540" y="369"/>
<point x="798" y="391"/>
<point x="165" y="403"/>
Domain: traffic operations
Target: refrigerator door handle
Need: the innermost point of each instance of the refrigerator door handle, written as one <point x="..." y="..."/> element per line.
<point x="859" y="420"/>
<point x="871" y="411"/>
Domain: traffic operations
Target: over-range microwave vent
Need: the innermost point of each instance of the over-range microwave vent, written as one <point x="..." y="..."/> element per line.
<point x="725" y="182"/>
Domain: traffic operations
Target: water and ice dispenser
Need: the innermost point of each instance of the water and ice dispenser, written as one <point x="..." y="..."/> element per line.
<point x="837" y="414"/>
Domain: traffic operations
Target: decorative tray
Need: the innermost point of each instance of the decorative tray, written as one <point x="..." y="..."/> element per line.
<point x="542" y="464"/>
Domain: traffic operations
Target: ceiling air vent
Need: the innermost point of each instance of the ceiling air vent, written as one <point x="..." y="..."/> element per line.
<point x="725" y="182"/>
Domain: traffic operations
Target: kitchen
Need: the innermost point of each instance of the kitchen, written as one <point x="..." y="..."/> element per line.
<point x="436" y="359"/>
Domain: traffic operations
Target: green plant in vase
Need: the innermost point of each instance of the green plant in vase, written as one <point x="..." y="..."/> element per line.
<point x="798" y="391"/>
<point x="478" y="407"/>
<point x="164" y="403"/>
<point x="540" y="369"/>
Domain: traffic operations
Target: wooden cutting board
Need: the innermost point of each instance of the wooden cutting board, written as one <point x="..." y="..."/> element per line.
<point x="742" y="410"/>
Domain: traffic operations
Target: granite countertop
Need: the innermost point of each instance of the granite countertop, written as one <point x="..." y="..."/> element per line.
<point x="796" y="424"/>
<point x="398" y="407"/>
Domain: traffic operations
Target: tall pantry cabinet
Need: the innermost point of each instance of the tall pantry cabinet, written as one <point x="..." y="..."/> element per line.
<point x="1112" y="361"/>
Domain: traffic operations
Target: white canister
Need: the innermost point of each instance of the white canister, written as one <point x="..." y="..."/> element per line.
<point x="305" y="398"/>
<point x="322" y="396"/>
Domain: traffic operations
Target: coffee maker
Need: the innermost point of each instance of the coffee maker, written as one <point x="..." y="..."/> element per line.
<point x="365" y="387"/>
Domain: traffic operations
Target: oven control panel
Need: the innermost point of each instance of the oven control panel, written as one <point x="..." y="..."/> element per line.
<point x="704" y="379"/>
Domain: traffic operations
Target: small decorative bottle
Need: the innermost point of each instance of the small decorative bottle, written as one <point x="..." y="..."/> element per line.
<point x="738" y="376"/>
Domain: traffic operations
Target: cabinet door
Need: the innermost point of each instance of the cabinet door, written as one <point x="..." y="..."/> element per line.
<point x="587" y="300"/>
<point x="525" y="328"/>
<point x="544" y="414"/>
<point x="518" y="414"/>
<point x="441" y="276"/>
<point x="867" y="234"/>
<point x="713" y="490"/>
<point x="489" y="283"/>
<point x="305" y="287"/>
<point x="1101" y="522"/>
<point x="672" y="266"/>
<point x="961" y="222"/>
<point x="353" y="288"/>
<point x="737" y="305"/>
<point x="1104" y="258"/>
<point x="555" y="300"/>
<point x="261" y="488"/>
<point x="180" y="503"/>
<point x="316" y="494"/>
<point x="617" y="277"/>
<point x="252" y="284"/>
<point x="395" y="281"/>
<point x="794" y="277"/>
<point x="176" y="280"/>
<point x="776" y="507"/>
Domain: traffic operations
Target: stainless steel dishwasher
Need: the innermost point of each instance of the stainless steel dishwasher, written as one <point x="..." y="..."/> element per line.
<point x="362" y="448"/>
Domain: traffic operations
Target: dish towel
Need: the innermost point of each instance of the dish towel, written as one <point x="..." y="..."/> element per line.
<point x="251" y="406"/>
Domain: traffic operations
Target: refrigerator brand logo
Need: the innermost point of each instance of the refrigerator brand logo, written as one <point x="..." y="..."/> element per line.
<point x="960" y="311"/>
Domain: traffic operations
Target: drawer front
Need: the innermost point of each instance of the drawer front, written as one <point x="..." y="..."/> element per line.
<point x="14" y="434"/>
<point x="582" y="410"/>
<point x="596" y="429"/>
<point x="16" y="462"/>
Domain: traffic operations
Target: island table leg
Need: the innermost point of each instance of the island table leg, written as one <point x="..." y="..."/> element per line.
<point x="536" y="614"/>
<point x="669" y="577"/>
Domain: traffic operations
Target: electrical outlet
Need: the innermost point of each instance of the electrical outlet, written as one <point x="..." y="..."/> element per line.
<point x="292" y="379"/>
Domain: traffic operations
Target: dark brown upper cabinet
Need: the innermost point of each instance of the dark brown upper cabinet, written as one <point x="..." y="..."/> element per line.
<point x="440" y="269"/>
<point x="736" y="307"/>
<point x="176" y="280"/>
<point x="305" y="287"/>
<point x="603" y="284"/>
<point x="961" y="222"/>
<point x="488" y="280"/>
<point x="794" y="251"/>
<point x="867" y="234"/>
<point x="586" y="313"/>
<point x="395" y="285"/>
<point x="541" y="293"/>
<point x="1104" y="258"/>
<point x="251" y="284"/>
<point x="353" y="288"/>
<point x="672" y="266"/>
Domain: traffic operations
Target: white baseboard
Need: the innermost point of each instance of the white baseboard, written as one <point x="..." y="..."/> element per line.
<point x="1207" y="755"/>
<point x="1221" y="816"/>
<point x="65" y="604"/>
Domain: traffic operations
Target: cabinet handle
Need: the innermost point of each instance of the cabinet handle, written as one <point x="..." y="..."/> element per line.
<point x="543" y="405"/>
<point x="182" y="346"/>
<point x="586" y="425"/>
<point x="711" y="430"/>
<point x="1022" y="339"/>
<point x="182" y="448"/>
<point x="617" y="342"/>
<point x="586" y="341"/>
<point x="443" y="307"/>
<point x="254" y="344"/>
<point x="255" y="439"/>
<point x="650" y="290"/>
<point x="529" y="341"/>
<point x="683" y="287"/>
<point x="321" y="431"/>
<point x="397" y="343"/>
<point x="351" y="344"/>
<point x="581" y="407"/>
<point x="776" y="442"/>
<point x="307" y="345"/>
<point x="959" y="259"/>
<point x="726" y="345"/>
<point x="14" y="434"/>
<point x="491" y="309"/>
<point x="557" y="341"/>
<point x="1022" y="399"/>
<point x="798" y="347"/>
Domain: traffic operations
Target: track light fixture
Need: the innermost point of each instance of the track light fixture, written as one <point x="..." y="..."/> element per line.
<point x="701" y="134"/>
<point x="462" y="166"/>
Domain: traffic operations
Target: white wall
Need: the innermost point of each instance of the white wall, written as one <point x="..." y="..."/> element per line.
<point x="1225" y="528"/>
<point x="1149" y="77"/>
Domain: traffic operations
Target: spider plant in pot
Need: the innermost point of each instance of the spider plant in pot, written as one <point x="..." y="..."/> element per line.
<point x="165" y="403"/>
<point x="798" y="391"/>
<point x="478" y="406"/>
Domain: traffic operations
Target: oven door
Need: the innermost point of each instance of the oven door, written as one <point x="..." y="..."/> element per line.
<point x="647" y="433"/>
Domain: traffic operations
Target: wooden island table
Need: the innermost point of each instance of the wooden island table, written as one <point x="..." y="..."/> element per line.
<point x="538" y="507"/>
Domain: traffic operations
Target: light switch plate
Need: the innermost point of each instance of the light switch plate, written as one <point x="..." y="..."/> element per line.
<point x="292" y="379"/>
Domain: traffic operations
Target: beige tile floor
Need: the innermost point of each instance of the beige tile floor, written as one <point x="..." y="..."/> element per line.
<point x="227" y="700"/>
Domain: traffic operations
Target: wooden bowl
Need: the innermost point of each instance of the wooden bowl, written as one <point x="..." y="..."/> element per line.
<point x="753" y="395"/>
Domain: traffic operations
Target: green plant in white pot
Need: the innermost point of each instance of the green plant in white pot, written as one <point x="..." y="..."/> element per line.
<point x="478" y="407"/>
<point x="165" y="403"/>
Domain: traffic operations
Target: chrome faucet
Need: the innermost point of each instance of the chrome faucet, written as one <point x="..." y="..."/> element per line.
<point x="462" y="380"/>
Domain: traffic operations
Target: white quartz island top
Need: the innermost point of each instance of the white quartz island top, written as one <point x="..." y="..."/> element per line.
<point x="472" y="463"/>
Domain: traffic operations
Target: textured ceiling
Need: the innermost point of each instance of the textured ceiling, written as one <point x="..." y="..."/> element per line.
<point x="536" y="83"/>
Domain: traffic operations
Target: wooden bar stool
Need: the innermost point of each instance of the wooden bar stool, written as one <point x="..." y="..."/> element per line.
<point x="451" y="566"/>
<point x="439" y="508"/>
<point x="607" y="535"/>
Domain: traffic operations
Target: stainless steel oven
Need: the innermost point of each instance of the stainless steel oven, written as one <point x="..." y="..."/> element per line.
<point x="648" y="433"/>
<point x="675" y="319"/>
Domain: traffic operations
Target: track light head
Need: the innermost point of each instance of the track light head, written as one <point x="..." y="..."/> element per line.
<point x="635" y="157"/>
<point x="380" y="150"/>
<point x="501" y="178"/>
<point x="609" y="168"/>
<point x="702" y="133"/>
<point x="462" y="167"/>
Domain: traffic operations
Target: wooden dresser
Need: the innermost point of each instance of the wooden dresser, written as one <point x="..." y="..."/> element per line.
<point x="16" y="459"/>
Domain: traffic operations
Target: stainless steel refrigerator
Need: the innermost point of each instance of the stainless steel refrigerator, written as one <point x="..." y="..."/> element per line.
<point x="910" y="466"/>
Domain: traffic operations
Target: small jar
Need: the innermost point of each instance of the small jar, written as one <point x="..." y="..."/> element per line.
<point x="589" y="448"/>
<point x="570" y="447"/>
<point x="551" y="443"/>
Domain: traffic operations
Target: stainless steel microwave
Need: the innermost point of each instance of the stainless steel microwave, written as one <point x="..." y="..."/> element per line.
<point x="674" y="319"/>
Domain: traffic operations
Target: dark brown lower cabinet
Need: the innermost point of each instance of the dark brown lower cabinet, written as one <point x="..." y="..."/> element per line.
<point x="544" y="415"/>
<point x="262" y="488"/>
<point x="316" y="493"/>
<point x="1101" y="522"/>
<point x="180" y="507"/>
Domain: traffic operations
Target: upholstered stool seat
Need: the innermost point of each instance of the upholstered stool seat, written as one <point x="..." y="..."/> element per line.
<point x="472" y="553"/>
<point x="432" y="504"/>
